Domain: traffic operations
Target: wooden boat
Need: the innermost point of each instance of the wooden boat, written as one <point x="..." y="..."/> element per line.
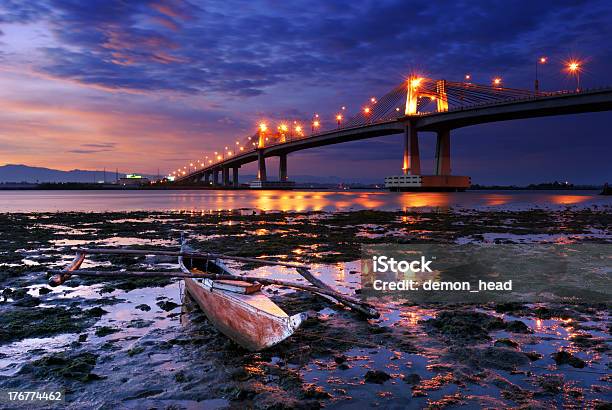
<point x="239" y="309"/>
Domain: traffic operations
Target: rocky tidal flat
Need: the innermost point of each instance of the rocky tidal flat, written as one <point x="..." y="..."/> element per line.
<point x="140" y="343"/>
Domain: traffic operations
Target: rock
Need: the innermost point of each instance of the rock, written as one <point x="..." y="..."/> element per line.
<point x="105" y="331"/>
<point x="533" y="356"/>
<point x="412" y="378"/>
<point x="82" y="337"/>
<point x="466" y="325"/>
<point x="27" y="301"/>
<point x="76" y="367"/>
<point x="340" y="359"/>
<point x="506" y="342"/>
<point x="494" y="357"/>
<point x="135" y="350"/>
<point x="167" y="305"/>
<point x="516" y="326"/>
<point x="376" y="376"/>
<point x="509" y="307"/>
<point x="96" y="312"/>
<point x="144" y="307"/>
<point x="564" y="357"/>
<point x="551" y="383"/>
<point x="312" y="391"/>
<point x="44" y="290"/>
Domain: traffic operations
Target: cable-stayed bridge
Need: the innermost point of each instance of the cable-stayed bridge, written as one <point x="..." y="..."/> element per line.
<point x="419" y="104"/>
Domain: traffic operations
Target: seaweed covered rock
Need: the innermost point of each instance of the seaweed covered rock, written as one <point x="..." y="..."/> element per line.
<point x="465" y="325"/>
<point x="76" y="367"/>
<point x="565" y="357"/>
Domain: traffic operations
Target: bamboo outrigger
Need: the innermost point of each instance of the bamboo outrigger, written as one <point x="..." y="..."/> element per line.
<point x="234" y="303"/>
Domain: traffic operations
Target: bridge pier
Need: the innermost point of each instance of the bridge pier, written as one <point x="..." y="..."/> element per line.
<point x="226" y="176"/>
<point x="235" y="177"/>
<point x="412" y="159"/>
<point x="216" y="177"/>
<point x="443" y="161"/>
<point x="261" y="173"/>
<point x="282" y="168"/>
<point x="207" y="177"/>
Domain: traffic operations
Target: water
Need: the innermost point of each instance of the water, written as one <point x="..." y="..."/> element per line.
<point x="303" y="200"/>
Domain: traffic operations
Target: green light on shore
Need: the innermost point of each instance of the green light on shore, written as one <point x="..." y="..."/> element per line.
<point x="133" y="176"/>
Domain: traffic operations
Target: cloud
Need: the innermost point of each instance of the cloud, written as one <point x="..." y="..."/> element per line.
<point x="200" y="73"/>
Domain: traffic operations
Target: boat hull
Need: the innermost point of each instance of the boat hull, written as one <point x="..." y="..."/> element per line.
<point x="237" y="317"/>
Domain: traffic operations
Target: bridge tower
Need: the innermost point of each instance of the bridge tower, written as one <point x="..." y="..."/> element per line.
<point x="416" y="89"/>
<point x="411" y="178"/>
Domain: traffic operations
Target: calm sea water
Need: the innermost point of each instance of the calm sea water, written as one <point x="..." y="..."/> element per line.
<point x="200" y="200"/>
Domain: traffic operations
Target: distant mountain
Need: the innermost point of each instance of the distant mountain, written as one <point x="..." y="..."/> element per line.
<point x="25" y="173"/>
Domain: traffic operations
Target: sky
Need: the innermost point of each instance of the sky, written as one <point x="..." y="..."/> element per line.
<point x="143" y="85"/>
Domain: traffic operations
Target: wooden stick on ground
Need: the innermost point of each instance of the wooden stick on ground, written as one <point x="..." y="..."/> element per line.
<point x="362" y="307"/>
<point x="320" y="284"/>
<point x="63" y="275"/>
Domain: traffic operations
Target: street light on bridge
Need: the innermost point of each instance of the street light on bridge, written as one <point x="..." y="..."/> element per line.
<point x="541" y="60"/>
<point x="497" y="82"/>
<point x="574" y="67"/>
<point x="315" y="124"/>
<point x="339" y="119"/>
<point x="468" y="78"/>
<point x="367" y="112"/>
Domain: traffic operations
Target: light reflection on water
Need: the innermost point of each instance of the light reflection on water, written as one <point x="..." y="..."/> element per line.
<point x="207" y="200"/>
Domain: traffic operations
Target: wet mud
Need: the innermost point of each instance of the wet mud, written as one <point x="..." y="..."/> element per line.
<point x="125" y="343"/>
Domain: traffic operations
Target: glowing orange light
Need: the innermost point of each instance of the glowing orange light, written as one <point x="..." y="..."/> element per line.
<point x="316" y="123"/>
<point x="415" y="82"/>
<point x="543" y="60"/>
<point x="262" y="127"/>
<point x="241" y="148"/>
<point x="219" y="157"/>
<point x="366" y="110"/>
<point x="283" y="127"/>
<point x="298" y="128"/>
<point x="573" y="66"/>
<point x="339" y="117"/>
<point x="497" y="81"/>
<point x="468" y="77"/>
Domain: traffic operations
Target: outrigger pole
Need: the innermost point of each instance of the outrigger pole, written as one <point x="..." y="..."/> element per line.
<point x="60" y="276"/>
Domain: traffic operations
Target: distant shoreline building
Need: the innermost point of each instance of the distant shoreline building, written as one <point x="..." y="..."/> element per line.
<point x="133" y="180"/>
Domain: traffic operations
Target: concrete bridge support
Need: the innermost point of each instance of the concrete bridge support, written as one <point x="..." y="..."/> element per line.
<point x="235" y="177"/>
<point x="412" y="159"/>
<point x="261" y="160"/>
<point x="207" y="175"/>
<point x="282" y="168"/>
<point x="226" y="176"/>
<point x="443" y="161"/>
<point x="216" y="177"/>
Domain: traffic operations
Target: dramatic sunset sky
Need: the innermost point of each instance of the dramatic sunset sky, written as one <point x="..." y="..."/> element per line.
<point x="148" y="84"/>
